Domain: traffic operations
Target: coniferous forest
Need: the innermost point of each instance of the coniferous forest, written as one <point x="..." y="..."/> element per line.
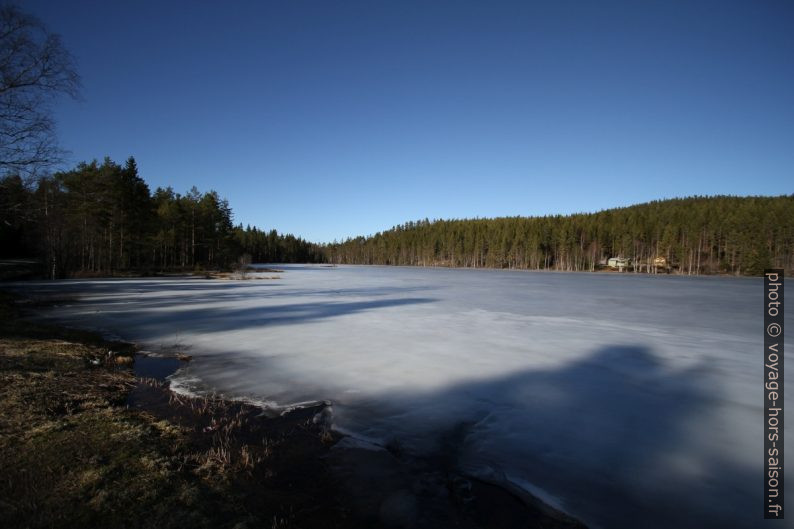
<point x="103" y="219"/>
<point x="698" y="235"/>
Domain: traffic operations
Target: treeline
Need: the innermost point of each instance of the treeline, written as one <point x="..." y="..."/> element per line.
<point x="102" y="218"/>
<point x="270" y="247"/>
<point x="698" y="235"/>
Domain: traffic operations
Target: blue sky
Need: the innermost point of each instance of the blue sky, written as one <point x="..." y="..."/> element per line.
<point x="335" y="119"/>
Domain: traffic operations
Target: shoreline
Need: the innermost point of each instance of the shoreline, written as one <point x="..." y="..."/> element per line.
<point x="538" y="270"/>
<point x="280" y="268"/>
<point x="86" y="442"/>
<point x="235" y="452"/>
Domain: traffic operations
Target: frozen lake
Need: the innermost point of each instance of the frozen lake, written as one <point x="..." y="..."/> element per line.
<point x="626" y="400"/>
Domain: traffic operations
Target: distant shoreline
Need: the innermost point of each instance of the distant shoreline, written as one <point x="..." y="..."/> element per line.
<point x="541" y="270"/>
<point x="9" y="273"/>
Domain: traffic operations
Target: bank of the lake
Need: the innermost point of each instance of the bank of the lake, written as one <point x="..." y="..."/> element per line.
<point x="91" y="436"/>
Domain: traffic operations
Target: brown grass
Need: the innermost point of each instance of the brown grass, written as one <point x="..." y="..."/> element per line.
<point x="73" y="454"/>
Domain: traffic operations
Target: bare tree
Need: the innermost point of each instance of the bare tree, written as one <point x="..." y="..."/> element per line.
<point x="35" y="68"/>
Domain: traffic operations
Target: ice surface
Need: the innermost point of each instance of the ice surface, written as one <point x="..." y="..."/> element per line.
<point x="630" y="400"/>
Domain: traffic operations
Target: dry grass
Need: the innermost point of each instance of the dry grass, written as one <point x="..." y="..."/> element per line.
<point x="251" y="274"/>
<point x="72" y="454"/>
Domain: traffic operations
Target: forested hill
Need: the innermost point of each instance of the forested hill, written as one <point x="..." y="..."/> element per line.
<point x="102" y="218"/>
<point x="697" y="235"/>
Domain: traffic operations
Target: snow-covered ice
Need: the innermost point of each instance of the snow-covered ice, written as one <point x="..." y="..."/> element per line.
<point x="626" y="400"/>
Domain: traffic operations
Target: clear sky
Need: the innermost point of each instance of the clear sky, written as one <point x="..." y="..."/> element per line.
<point x="330" y="119"/>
